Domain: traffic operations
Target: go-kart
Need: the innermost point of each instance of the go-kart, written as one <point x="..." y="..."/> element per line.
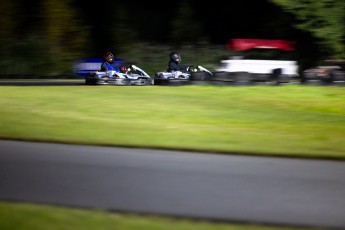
<point x="326" y="74"/>
<point x="129" y="75"/>
<point x="194" y="76"/>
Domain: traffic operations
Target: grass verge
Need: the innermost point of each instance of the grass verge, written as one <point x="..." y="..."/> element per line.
<point x="24" y="216"/>
<point x="291" y="120"/>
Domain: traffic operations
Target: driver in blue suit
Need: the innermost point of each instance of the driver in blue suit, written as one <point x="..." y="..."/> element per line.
<point x="107" y="64"/>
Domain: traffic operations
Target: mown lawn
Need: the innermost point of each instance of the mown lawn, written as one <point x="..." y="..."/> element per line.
<point x="289" y="120"/>
<point x="23" y="216"/>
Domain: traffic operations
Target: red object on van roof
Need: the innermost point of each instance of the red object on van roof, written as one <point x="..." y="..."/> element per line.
<point x="246" y="44"/>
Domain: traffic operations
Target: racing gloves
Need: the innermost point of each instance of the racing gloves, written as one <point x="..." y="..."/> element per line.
<point x="191" y="69"/>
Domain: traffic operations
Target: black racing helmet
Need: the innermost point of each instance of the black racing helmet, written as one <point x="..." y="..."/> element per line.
<point x="175" y="56"/>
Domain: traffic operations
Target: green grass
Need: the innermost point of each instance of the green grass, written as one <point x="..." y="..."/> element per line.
<point x="21" y="216"/>
<point x="289" y="120"/>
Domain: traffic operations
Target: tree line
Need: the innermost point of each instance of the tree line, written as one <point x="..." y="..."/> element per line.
<point x="47" y="35"/>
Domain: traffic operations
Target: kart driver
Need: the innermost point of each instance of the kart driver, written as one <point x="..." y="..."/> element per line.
<point x="174" y="64"/>
<point x="107" y="64"/>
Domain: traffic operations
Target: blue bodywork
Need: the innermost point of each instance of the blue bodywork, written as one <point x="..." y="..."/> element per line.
<point x="84" y="66"/>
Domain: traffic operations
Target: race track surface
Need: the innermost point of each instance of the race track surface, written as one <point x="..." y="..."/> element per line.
<point x="42" y="82"/>
<point x="246" y="189"/>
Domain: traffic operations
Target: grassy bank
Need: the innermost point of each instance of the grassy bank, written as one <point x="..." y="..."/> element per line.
<point x="291" y="120"/>
<point x="43" y="217"/>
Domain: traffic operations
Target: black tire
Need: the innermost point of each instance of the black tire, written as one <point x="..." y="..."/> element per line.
<point x="158" y="81"/>
<point x="178" y="82"/>
<point x="308" y="78"/>
<point x="260" y="78"/>
<point x="171" y="82"/>
<point x="199" y="78"/>
<point x="338" y="77"/>
<point x="242" y="78"/>
<point x="91" y="81"/>
<point x="222" y="78"/>
<point x="280" y="78"/>
<point x="283" y="79"/>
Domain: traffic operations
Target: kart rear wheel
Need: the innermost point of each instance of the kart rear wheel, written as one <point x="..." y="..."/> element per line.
<point x="199" y="78"/>
<point x="310" y="78"/>
<point x="171" y="82"/>
<point x="90" y="81"/>
<point x="242" y="78"/>
<point x="222" y="78"/>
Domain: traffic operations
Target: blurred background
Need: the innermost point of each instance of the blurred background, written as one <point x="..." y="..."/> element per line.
<point x="48" y="36"/>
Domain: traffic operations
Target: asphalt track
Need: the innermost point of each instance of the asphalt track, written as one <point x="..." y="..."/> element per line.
<point x="42" y="82"/>
<point x="262" y="190"/>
